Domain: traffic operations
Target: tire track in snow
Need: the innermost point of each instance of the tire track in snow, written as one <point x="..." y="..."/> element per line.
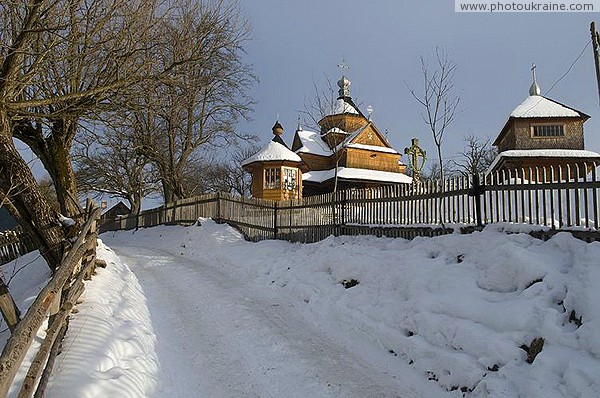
<point x="216" y="337"/>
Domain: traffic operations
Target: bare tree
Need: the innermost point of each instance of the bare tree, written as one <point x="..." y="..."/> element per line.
<point x="225" y="175"/>
<point x="438" y="99"/>
<point x="231" y="177"/>
<point x="63" y="62"/>
<point x="84" y="53"/>
<point x="320" y="104"/>
<point x="476" y="156"/>
<point x="108" y="163"/>
<point x="198" y="105"/>
<point x="18" y="23"/>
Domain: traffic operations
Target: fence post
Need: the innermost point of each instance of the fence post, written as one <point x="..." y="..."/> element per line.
<point x="476" y="192"/>
<point x="343" y="210"/>
<point x="275" y="221"/>
<point x="218" y="215"/>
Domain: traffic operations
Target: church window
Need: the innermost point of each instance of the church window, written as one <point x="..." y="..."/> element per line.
<point x="548" y="130"/>
<point x="289" y="179"/>
<point x="272" y="178"/>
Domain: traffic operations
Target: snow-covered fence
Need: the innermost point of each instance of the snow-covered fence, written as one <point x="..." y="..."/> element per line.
<point x="57" y="300"/>
<point x="556" y="198"/>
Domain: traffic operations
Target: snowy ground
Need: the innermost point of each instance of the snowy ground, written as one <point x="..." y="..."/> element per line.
<point x="206" y="314"/>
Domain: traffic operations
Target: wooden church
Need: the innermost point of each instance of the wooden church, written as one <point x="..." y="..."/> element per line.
<point x="348" y="151"/>
<point x="541" y="132"/>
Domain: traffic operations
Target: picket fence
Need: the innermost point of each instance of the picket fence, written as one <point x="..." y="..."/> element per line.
<point x="14" y="244"/>
<point x="552" y="198"/>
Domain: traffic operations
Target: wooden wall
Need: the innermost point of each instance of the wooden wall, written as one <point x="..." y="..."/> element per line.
<point x="348" y="122"/>
<point x="316" y="162"/>
<point x="520" y="135"/>
<point x="258" y="176"/>
<point x="371" y="160"/>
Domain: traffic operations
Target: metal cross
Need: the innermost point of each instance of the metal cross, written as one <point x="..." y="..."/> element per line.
<point x="415" y="152"/>
<point x="343" y="65"/>
<point x="533" y="66"/>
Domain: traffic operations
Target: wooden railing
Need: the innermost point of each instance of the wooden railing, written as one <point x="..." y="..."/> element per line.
<point x="556" y="198"/>
<point x="57" y="299"/>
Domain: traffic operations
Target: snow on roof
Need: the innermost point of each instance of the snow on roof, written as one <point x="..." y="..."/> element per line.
<point x="356" y="174"/>
<point x="337" y="130"/>
<point x="538" y="106"/>
<point x="342" y="106"/>
<point x="543" y="153"/>
<point x="271" y="152"/>
<point x="351" y="137"/>
<point x="373" y="148"/>
<point x="312" y="143"/>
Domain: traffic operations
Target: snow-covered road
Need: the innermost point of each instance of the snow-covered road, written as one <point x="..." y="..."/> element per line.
<point x="217" y="337"/>
<point x="199" y="312"/>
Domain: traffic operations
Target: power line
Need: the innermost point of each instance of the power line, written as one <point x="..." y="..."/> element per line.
<point x="571" y="66"/>
<point x="563" y="75"/>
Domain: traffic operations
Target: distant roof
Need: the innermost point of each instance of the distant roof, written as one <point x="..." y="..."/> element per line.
<point x="540" y="106"/>
<point x="543" y="153"/>
<point x="273" y="151"/>
<point x="357" y="174"/>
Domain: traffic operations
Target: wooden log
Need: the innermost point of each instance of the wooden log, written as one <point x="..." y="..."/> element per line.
<point x="17" y="345"/>
<point x="54" y="351"/>
<point x="10" y="311"/>
<point x="40" y="359"/>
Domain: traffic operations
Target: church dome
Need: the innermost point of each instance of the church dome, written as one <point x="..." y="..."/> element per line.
<point x="344" y="85"/>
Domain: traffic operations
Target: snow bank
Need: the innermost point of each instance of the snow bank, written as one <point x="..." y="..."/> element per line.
<point x="26" y="277"/>
<point x="109" y="347"/>
<point x="456" y="308"/>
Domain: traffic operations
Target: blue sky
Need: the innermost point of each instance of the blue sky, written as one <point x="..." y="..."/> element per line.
<point x="298" y="43"/>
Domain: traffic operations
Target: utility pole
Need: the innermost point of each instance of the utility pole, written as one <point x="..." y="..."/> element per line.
<point x="595" y="40"/>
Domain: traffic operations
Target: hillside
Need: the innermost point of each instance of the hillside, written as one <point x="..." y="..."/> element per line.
<point x="213" y="315"/>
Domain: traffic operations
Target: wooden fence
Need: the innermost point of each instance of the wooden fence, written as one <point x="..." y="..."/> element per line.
<point x="13" y="244"/>
<point x="546" y="197"/>
<point x="57" y="299"/>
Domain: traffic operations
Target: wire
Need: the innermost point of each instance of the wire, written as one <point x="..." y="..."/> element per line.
<point x="571" y="66"/>
<point x="563" y="75"/>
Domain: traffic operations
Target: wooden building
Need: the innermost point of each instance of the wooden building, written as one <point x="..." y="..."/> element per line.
<point x="118" y="210"/>
<point x="543" y="132"/>
<point x="276" y="170"/>
<point x="348" y="148"/>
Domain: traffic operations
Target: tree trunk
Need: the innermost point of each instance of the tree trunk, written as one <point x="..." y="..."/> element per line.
<point x="54" y="152"/>
<point x="136" y="207"/>
<point x="136" y="203"/>
<point x="172" y="189"/>
<point x="168" y="194"/>
<point x="58" y="165"/>
<point x="39" y="219"/>
<point x="56" y="158"/>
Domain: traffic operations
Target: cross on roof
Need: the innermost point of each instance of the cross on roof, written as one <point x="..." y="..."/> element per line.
<point x="343" y="65"/>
